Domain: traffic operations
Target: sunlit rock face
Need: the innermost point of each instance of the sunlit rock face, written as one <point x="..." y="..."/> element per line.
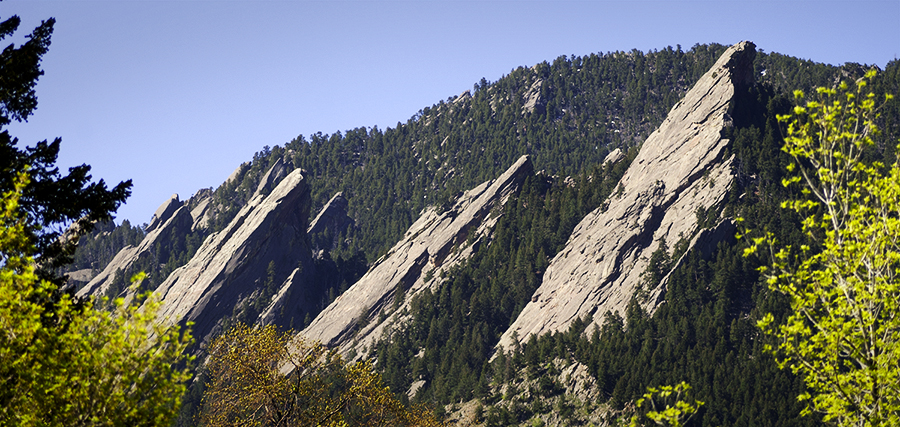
<point x="232" y="265"/>
<point x="436" y="242"/>
<point x="682" y="167"/>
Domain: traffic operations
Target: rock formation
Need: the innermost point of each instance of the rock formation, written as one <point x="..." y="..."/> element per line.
<point x="164" y="212"/>
<point x="293" y="301"/>
<point x="272" y="177"/>
<point x="232" y="266"/>
<point x="682" y="168"/>
<point x="333" y="217"/>
<point x="171" y="219"/>
<point x="434" y="243"/>
<point x="533" y="101"/>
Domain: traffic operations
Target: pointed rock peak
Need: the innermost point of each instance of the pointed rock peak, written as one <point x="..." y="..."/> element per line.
<point x="155" y="245"/>
<point x="435" y="243"/>
<point x="164" y="212"/>
<point x="740" y="63"/>
<point x="682" y="167"/>
<point x="230" y="270"/>
<point x="272" y="177"/>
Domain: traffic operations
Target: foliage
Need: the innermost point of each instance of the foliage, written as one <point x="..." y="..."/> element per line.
<point x="263" y="377"/>
<point x="51" y="200"/>
<point x="676" y="412"/>
<point x="76" y="365"/>
<point x="843" y="332"/>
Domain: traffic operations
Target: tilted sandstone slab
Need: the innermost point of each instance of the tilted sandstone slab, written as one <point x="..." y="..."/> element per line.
<point x="231" y="265"/>
<point x="293" y="301"/>
<point x="171" y="219"/>
<point x="681" y="167"/>
<point x="435" y="242"/>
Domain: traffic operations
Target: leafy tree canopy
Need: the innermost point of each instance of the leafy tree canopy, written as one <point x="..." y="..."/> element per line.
<point x="77" y="365"/>
<point x="52" y="201"/>
<point x="843" y="333"/>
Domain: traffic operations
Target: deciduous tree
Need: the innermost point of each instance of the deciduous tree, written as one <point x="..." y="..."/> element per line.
<point x="75" y="365"/>
<point x="843" y="334"/>
<point x="263" y="377"/>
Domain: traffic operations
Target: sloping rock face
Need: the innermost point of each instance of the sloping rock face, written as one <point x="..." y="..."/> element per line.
<point x="333" y="217"/>
<point x="172" y="218"/>
<point x="681" y="168"/>
<point x="164" y="212"/>
<point x="434" y="243"/>
<point x="265" y="241"/>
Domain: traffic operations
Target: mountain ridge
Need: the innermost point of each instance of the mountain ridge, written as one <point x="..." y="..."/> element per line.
<point x="383" y="193"/>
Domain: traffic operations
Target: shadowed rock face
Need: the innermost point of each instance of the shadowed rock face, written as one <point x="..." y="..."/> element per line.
<point x="682" y="167"/>
<point x="434" y="243"/>
<point x="332" y="217"/>
<point x="230" y="268"/>
<point x="293" y="300"/>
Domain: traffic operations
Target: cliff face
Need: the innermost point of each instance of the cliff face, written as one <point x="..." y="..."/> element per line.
<point x="682" y="169"/>
<point x="433" y="244"/>
<point x="173" y="217"/>
<point x="265" y="242"/>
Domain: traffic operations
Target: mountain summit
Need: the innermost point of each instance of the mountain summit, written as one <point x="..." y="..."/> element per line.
<point x="682" y="168"/>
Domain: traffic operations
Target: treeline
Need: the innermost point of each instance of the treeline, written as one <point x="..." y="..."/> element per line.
<point x="581" y="108"/>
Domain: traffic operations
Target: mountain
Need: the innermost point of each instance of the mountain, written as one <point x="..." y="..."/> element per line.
<point x="434" y="244"/>
<point x="573" y="217"/>
<point x="682" y="168"/>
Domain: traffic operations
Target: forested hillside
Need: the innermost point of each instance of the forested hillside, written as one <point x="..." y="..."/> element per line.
<point x="704" y="333"/>
<point x="567" y="115"/>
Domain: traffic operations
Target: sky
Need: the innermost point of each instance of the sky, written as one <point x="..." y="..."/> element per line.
<point x="177" y="94"/>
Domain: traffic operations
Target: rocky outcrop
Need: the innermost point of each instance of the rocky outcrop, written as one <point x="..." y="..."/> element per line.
<point x="164" y="212"/>
<point x="533" y="101"/>
<point x="434" y="243"/>
<point x="333" y="217"/>
<point x="171" y="220"/>
<point x="614" y="156"/>
<point x="272" y="177"/>
<point x="265" y="242"/>
<point x="681" y="168"/>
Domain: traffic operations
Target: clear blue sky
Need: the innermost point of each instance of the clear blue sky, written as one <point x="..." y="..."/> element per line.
<point x="176" y="94"/>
